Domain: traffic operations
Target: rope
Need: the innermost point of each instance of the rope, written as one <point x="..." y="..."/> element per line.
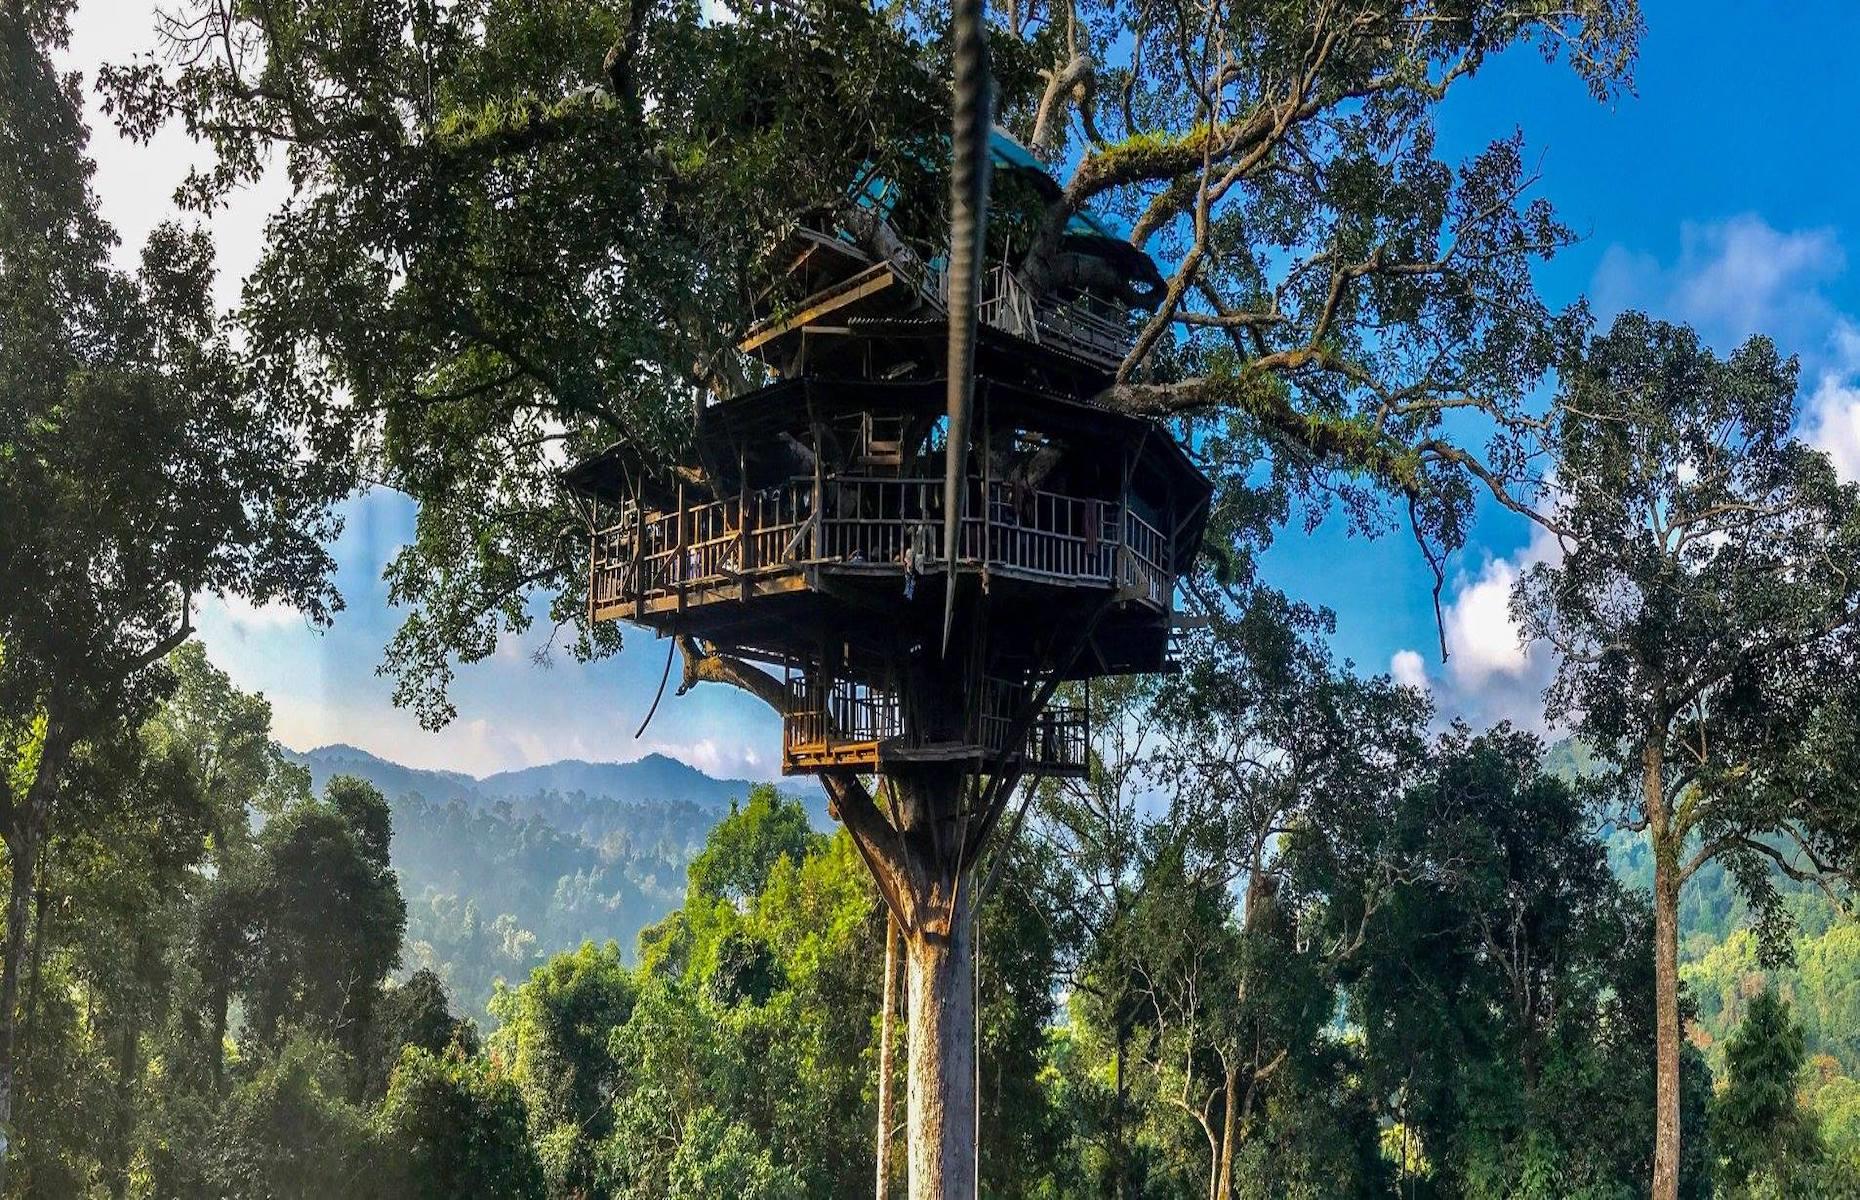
<point x="660" y="695"/>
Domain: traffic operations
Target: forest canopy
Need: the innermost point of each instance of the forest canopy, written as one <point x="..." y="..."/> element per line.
<point x="1292" y="929"/>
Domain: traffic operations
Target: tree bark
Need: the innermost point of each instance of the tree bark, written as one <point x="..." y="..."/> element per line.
<point x="885" y="1032"/>
<point x="922" y="851"/>
<point x="1224" y="1180"/>
<point x="41" y="900"/>
<point x="126" y="1069"/>
<point x="941" y="1102"/>
<point x="1666" y="1147"/>
<point x="24" y="835"/>
<point x="22" y="846"/>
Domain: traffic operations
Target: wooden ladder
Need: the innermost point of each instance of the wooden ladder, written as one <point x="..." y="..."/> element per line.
<point x="884" y="443"/>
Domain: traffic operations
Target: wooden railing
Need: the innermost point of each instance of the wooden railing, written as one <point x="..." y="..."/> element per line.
<point x="843" y="713"/>
<point x="1055" y="738"/>
<point x="873" y="520"/>
<point x="844" y="722"/>
<point x="1094" y="329"/>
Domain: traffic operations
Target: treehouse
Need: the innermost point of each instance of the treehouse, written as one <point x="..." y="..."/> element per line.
<point x="807" y="530"/>
<point x="834" y="289"/>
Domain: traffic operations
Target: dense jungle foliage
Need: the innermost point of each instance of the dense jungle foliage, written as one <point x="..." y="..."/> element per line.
<point x="1295" y="935"/>
<point x="227" y="998"/>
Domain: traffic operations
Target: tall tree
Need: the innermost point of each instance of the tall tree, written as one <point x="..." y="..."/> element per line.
<point x="1503" y="1003"/>
<point x="141" y="467"/>
<point x="1275" y="748"/>
<point x="454" y="1126"/>
<point x="1704" y="617"/>
<point x="1081" y="868"/>
<point x="1760" y="1134"/>
<point x="554" y="1037"/>
<point x="328" y="918"/>
<point x="519" y="230"/>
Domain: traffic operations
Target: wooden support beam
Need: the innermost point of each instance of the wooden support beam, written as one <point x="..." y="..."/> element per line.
<point x="869" y="282"/>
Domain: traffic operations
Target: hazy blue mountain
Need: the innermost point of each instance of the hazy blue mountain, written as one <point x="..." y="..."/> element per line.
<point x="652" y="778"/>
<point x="500" y="872"/>
<point x="393" y="779"/>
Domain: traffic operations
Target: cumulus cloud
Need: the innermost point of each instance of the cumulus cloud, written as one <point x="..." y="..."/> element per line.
<point x="1833" y="423"/>
<point x="1743" y="276"/>
<point x="1492" y="673"/>
<point x="1482" y="639"/>
<point x="722" y="760"/>
<point x="1409" y="669"/>
<point x="1731" y="279"/>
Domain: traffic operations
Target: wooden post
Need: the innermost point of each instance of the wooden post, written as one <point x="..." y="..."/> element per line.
<point x="743" y="542"/>
<point x="678" y="549"/>
<point x="639" y="556"/>
<point x="820" y="513"/>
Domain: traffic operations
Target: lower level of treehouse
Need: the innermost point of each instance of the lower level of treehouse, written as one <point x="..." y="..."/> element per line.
<point x="648" y="565"/>
<point x="843" y="725"/>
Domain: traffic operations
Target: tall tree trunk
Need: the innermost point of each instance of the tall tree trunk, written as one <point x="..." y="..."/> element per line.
<point x="1666" y="1147"/>
<point x="939" y="968"/>
<point x="886" y="1025"/>
<point x="22" y="843"/>
<point x="24" y="835"/>
<point x="1224" y="1180"/>
<point x="41" y="900"/>
<point x="126" y="1070"/>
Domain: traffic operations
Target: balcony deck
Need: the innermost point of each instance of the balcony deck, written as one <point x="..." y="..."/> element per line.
<point x="850" y="725"/>
<point x="783" y="539"/>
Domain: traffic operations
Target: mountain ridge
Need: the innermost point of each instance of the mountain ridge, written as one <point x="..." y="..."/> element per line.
<point x="651" y="778"/>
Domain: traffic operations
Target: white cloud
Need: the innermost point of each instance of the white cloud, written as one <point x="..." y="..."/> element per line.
<point x="722" y="760"/>
<point x="1731" y="279"/>
<point x="1833" y="423"/>
<point x="1492" y="673"/>
<point x="245" y="618"/>
<point x="1482" y="639"/>
<point x="1409" y="669"/>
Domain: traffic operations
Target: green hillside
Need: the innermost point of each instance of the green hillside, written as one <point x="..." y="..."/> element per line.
<point x="501" y="872"/>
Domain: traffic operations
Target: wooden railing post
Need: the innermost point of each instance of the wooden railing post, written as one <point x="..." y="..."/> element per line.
<point x="678" y="548"/>
<point x="639" y="558"/>
<point x="742" y="524"/>
<point x="594" y="543"/>
<point x="820" y="512"/>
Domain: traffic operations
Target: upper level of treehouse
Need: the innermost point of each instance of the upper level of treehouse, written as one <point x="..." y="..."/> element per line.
<point x="804" y="527"/>
<point x="837" y="289"/>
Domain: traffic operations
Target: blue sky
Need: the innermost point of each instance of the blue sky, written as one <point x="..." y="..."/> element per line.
<point x="1722" y="193"/>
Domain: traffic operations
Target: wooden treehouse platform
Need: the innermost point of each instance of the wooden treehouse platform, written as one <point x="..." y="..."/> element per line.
<point x="803" y="526"/>
<point x="799" y="535"/>
<point x="845" y="724"/>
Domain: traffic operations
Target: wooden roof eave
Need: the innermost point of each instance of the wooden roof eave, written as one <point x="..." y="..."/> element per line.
<point x="874" y="279"/>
